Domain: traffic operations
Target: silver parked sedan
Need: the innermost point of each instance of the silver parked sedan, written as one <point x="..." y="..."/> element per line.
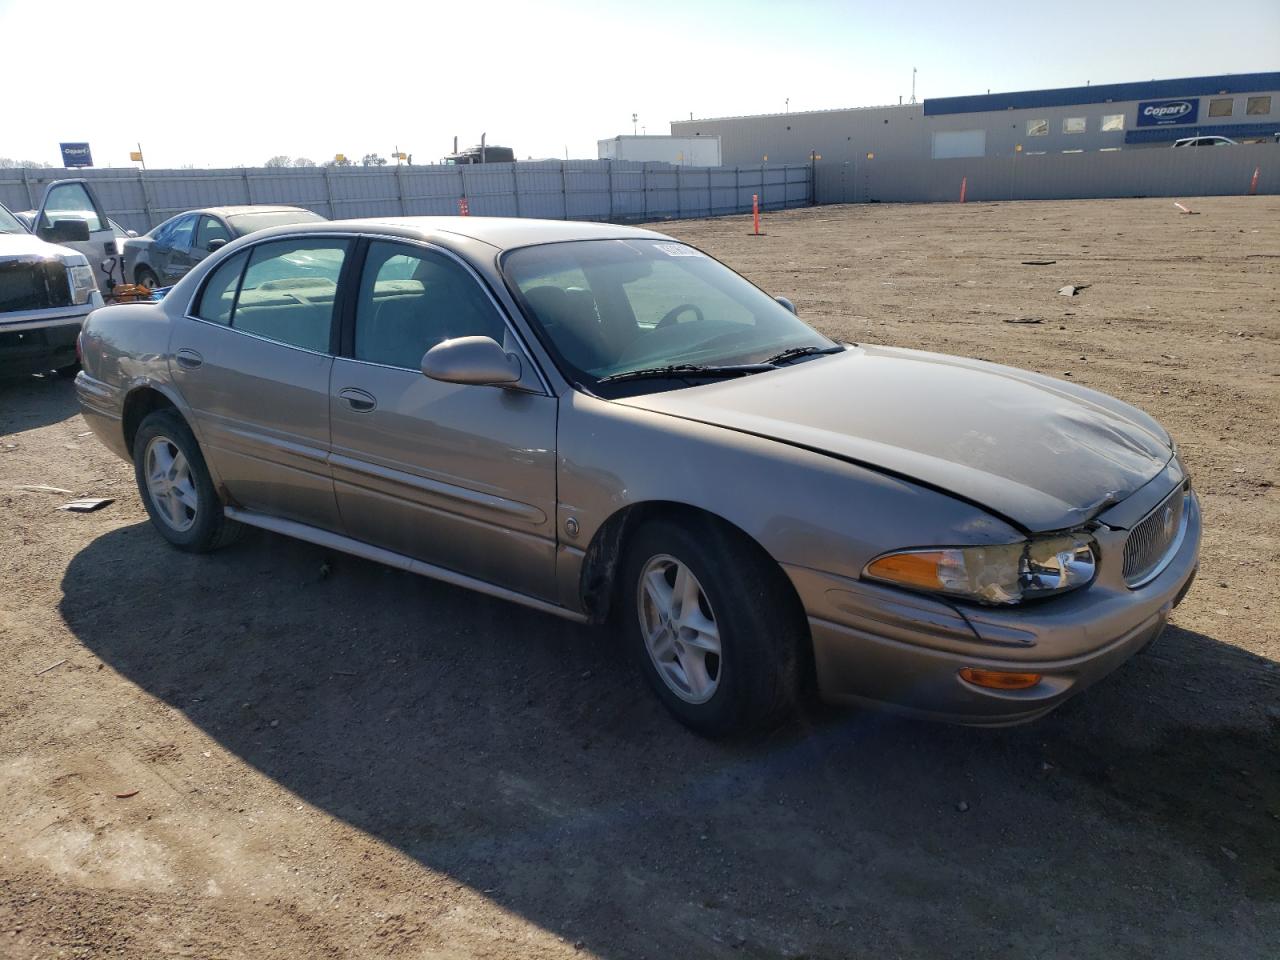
<point x="604" y="423"/>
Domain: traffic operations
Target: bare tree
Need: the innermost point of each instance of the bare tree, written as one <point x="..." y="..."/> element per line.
<point x="7" y="164"/>
<point x="279" y="161"/>
<point x="303" y="162"/>
<point x="373" y="160"/>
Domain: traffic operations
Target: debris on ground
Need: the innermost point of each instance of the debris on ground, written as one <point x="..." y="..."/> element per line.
<point x="1071" y="289"/>
<point x="87" y="505"/>
<point x="127" y="794"/>
<point x="962" y="806"/>
<point x="41" y="673"/>
<point x="1024" y="319"/>
<point x="1038" y="263"/>
<point x="41" y="488"/>
<point x="1187" y="210"/>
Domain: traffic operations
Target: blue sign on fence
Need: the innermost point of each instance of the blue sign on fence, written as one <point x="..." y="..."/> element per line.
<point x="76" y="155"/>
<point x="1159" y="113"/>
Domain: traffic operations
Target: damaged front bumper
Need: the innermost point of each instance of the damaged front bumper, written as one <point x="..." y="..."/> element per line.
<point x="885" y="646"/>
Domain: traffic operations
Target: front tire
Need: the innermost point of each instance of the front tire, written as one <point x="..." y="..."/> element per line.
<point x="144" y="277"/>
<point x="714" y="626"/>
<point x="175" y="485"/>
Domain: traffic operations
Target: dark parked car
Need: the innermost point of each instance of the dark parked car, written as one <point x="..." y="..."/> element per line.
<point x="163" y="256"/>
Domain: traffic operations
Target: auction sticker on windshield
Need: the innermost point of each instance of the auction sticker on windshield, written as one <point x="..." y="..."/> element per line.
<point x="677" y="250"/>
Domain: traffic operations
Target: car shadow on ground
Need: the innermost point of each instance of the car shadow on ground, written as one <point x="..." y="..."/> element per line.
<point x="30" y="402"/>
<point x="521" y="755"/>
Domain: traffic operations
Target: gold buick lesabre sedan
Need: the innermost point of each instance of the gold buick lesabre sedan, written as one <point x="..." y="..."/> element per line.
<point x="606" y="424"/>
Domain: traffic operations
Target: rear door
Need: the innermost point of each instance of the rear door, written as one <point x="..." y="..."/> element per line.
<point x="75" y="200"/>
<point x="253" y="361"/>
<point x="463" y="477"/>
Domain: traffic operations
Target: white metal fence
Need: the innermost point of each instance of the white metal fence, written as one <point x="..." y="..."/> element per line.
<point x="609" y="190"/>
<point x="1147" y="172"/>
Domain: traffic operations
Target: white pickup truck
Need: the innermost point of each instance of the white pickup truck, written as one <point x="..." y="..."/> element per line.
<point x="47" y="288"/>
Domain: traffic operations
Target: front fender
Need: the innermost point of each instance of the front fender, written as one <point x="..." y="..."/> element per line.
<point x="807" y="510"/>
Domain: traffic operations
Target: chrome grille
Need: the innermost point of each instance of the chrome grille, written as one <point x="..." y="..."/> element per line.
<point x="1155" y="539"/>
<point x="33" y="285"/>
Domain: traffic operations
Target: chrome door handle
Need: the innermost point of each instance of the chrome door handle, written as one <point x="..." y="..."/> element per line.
<point x="188" y="358"/>
<point x="358" y="400"/>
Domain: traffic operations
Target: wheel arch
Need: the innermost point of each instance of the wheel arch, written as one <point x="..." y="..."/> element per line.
<point x="141" y="263"/>
<point x="599" y="579"/>
<point x="142" y="400"/>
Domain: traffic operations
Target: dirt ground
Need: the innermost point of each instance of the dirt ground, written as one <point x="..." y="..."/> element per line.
<point x="276" y="752"/>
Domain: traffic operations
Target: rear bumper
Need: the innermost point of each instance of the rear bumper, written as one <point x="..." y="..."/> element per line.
<point x="100" y="405"/>
<point x="36" y="345"/>
<point x="883" y="646"/>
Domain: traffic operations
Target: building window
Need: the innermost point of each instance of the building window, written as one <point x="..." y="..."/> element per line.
<point x="1258" y="106"/>
<point x="1220" y="108"/>
<point x="1112" y="121"/>
<point x="1037" y="128"/>
<point x="1073" y="125"/>
<point x="948" y="144"/>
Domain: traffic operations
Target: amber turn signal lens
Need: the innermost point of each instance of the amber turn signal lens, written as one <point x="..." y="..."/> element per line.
<point x="999" y="679"/>
<point x="911" y="569"/>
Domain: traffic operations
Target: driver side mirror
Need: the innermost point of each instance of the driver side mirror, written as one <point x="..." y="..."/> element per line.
<point x="217" y="243"/>
<point x="72" y="230"/>
<point x="479" y="361"/>
<point x="786" y="303"/>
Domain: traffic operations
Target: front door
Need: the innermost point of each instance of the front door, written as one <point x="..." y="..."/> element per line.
<point x="171" y="251"/>
<point x="74" y="200"/>
<point x="254" y="365"/>
<point x="459" y="476"/>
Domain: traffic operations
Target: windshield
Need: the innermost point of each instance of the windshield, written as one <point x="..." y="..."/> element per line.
<point x="249" y="222"/>
<point x="9" y="223"/>
<point x="609" y="307"/>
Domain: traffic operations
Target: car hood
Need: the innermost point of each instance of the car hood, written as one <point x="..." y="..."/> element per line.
<point x="28" y="246"/>
<point x="1041" y="453"/>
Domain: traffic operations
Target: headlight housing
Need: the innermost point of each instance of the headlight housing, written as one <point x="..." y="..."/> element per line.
<point x="1003" y="573"/>
<point x="83" y="282"/>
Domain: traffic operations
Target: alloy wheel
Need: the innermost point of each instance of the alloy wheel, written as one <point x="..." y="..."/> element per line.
<point x="679" y="629"/>
<point x="170" y="485"/>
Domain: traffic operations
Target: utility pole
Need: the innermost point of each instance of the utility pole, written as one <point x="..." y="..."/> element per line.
<point x="913" y="84"/>
<point x="635" y="118"/>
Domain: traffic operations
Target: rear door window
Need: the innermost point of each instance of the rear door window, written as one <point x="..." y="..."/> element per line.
<point x="411" y="299"/>
<point x="289" y="290"/>
<point x="219" y="296"/>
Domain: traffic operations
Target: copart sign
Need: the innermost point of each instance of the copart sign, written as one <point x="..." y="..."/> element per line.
<point x="1159" y="113"/>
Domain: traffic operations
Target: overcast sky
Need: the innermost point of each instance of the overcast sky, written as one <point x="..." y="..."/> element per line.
<point x="228" y="83"/>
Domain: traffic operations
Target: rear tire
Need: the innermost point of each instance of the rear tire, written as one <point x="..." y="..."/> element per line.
<point x="724" y="654"/>
<point x="175" y="485"/>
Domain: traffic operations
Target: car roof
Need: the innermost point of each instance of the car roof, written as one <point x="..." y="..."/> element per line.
<point x="235" y="211"/>
<point x="502" y="232"/>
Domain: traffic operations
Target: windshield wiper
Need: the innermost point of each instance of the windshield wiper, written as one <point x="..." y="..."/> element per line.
<point x="795" y="352"/>
<point x="681" y="371"/>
